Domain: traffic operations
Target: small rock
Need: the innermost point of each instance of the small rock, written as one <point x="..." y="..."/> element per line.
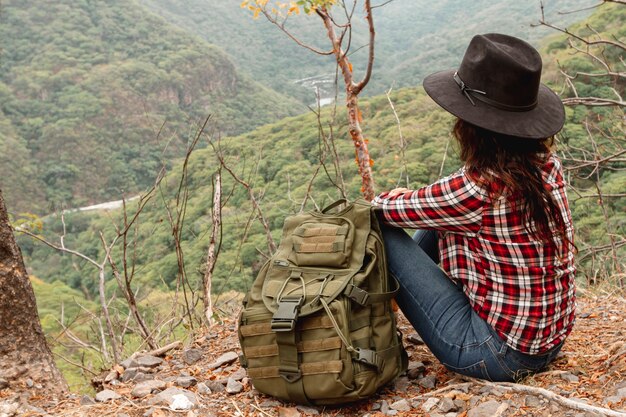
<point x="613" y="399"/>
<point x="270" y="404"/>
<point x="202" y="388"/>
<point x="621" y="393"/>
<point x="128" y="363"/>
<point x="402" y="405"/>
<point x="181" y="402"/>
<point x="149" y="412"/>
<point x="239" y="374"/>
<point x="428" y="382"/>
<point x="147" y="387"/>
<point x="415" y="339"/>
<point x="489" y="390"/>
<point x="446" y="405"/>
<point x="86" y="400"/>
<point x="148" y="361"/>
<point x="226" y="358"/>
<point x="308" y="410"/>
<point x="531" y="401"/>
<point x="140" y="377"/>
<point x="460" y="405"/>
<point x="4" y="383"/>
<point x="107" y="395"/>
<point x="430" y="403"/>
<point x="111" y="376"/>
<point x="129" y="374"/>
<point x="376" y="406"/>
<point x="191" y="356"/>
<point x="569" y="377"/>
<point x="215" y="386"/>
<point x="30" y="383"/>
<point x="186" y="381"/>
<point x="288" y="412"/>
<point x="384" y="407"/>
<point x="8" y="409"/>
<point x="233" y="387"/>
<point x="474" y="400"/>
<point x="416" y="370"/>
<point x="488" y="409"/>
<point x="401" y="384"/>
<point x="123" y="415"/>
<point x="170" y="395"/>
<point x="464" y="388"/>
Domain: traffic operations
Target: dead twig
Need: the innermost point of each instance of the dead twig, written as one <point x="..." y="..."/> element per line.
<point x="163" y="350"/>
<point x="567" y="402"/>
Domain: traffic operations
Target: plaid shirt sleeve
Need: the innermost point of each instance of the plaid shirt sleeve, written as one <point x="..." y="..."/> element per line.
<point x="454" y="203"/>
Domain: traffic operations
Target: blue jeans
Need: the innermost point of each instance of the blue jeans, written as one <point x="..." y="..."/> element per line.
<point x="442" y="315"/>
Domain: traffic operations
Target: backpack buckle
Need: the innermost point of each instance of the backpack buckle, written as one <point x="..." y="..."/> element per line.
<point x="284" y="320"/>
<point x="369" y="357"/>
<point x="290" y="376"/>
<point x="356" y="294"/>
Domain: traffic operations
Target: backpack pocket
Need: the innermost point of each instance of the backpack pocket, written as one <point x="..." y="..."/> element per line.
<point x="323" y="244"/>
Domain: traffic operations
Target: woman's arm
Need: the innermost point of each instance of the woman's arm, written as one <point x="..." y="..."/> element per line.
<point x="454" y="203"/>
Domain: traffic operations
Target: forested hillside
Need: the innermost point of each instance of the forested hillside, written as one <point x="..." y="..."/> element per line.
<point x="288" y="165"/>
<point x="94" y="95"/>
<point x="280" y="162"/>
<point x="413" y="37"/>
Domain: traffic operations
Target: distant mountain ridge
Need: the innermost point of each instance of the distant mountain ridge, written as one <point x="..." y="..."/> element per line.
<point x="413" y="37"/>
<point x="94" y="95"/>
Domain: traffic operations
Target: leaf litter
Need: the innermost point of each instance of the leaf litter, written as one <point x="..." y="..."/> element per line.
<point x="588" y="378"/>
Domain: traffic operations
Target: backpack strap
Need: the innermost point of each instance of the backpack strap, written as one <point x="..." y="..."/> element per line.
<point x="364" y="298"/>
<point x="289" y="367"/>
<point x="335" y="204"/>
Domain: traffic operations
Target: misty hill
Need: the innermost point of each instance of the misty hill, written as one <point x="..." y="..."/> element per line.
<point x="95" y="95"/>
<point x="413" y="37"/>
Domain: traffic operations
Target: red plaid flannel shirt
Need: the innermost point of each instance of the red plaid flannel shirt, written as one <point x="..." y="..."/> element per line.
<point x="523" y="288"/>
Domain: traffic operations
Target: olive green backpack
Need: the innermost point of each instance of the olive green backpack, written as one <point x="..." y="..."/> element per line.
<point x="317" y="325"/>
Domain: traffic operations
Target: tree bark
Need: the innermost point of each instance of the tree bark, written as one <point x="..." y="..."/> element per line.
<point x="24" y="353"/>
<point x="362" y="155"/>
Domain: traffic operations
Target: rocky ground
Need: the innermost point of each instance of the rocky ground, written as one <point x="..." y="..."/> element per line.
<point x="204" y="379"/>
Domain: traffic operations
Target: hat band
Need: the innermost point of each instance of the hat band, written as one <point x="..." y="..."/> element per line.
<point x="482" y="96"/>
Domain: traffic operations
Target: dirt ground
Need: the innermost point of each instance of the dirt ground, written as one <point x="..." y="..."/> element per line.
<point x="587" y="379"/>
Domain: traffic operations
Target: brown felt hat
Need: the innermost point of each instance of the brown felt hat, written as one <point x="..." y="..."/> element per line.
<point x="498" y="87"/>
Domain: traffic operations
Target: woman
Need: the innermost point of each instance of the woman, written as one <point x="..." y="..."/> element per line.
<point x="503" y="301"/>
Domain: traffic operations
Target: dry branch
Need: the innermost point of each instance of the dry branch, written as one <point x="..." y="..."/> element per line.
<point x="214" y="245"/>
<point x="567" y="402"/>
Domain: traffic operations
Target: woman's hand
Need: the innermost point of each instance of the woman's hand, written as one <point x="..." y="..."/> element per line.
<point x="397" y="191"/>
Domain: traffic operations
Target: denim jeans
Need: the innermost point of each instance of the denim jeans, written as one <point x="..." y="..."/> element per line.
<point x="442" y="315"/>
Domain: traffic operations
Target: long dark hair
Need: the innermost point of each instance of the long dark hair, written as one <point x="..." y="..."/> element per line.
<point x="512" y="165"/>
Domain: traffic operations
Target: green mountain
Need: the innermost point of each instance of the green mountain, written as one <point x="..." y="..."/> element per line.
<point x="96" y="94"/>
<point x="413" y="37"/>
<point x="281" y="161"/>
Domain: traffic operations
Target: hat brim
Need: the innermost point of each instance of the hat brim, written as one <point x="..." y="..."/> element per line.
<point x="543" y="121"/>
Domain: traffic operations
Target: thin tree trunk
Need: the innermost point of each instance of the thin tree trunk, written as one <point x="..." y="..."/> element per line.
<point x="363" y="160"/>
<point x="24" y="353"/>
<point x="212" y="251"/>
